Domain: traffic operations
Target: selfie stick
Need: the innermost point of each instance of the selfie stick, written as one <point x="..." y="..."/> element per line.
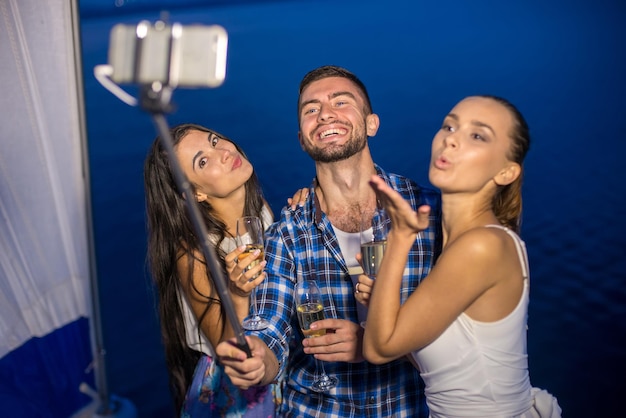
<point x="192" y="56"/>
<point x="155" y="99"/>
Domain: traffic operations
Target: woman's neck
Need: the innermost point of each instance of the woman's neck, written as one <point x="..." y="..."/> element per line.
<point x="229" y="210"/>
<point x="460" y="213"/>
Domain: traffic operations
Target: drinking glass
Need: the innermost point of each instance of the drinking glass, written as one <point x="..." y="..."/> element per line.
<point x="310" y="309"/>
<point x="374" y="241"/>
<point x="250" y="234"/>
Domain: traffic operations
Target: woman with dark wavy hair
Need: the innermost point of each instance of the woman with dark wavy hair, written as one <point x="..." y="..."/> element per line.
<point x="192" y="318"/>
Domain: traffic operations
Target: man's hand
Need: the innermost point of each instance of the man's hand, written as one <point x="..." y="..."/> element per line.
<point x="343" y="341"/>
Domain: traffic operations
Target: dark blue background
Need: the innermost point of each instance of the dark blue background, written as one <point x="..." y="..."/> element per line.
<point x="562" y="62"/>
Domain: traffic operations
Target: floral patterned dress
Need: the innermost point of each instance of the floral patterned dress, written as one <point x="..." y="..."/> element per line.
<point x="212" y="394"/>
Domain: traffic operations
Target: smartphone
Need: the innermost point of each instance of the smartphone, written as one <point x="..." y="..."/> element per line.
<point x="174" y="55"/>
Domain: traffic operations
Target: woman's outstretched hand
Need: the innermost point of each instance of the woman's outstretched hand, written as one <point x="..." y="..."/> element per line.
<point x="403" y="218"/>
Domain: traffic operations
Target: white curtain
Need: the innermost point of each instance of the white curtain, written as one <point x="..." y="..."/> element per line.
<point x="44" y="256"/>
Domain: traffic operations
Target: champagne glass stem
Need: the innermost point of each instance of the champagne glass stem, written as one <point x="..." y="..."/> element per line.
<point x="323" y="382"/>
<point x="255" y="313"/>
<point x="320" y="364"/>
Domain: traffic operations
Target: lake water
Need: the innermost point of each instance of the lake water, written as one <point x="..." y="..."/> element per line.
<point x="562" y="63"/>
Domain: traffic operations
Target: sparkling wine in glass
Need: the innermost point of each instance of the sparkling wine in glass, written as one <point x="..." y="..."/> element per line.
<point x="310" y="309"/>
<point x="250" y="234"/>
<point x="374" y="241"/>
<point x="373" y="244"/>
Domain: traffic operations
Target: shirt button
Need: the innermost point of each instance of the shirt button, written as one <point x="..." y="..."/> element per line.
<point x="371" y="400"/>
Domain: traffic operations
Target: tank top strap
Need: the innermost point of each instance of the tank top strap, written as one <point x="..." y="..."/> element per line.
<point x="519" y="245"/>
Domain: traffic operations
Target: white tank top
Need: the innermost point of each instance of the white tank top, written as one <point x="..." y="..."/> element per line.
<point x="480" y="369"/>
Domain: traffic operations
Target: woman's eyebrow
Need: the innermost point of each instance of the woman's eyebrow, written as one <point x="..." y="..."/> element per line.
<point x="473" y="122"/>
<point x="483" y="125"/>
<point x="193" y="161"/>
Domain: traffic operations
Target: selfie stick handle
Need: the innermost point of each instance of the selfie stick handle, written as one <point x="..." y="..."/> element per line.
<point x="156" y="100"/>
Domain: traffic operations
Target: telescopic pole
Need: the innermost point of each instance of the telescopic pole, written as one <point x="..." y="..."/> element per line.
<point x="155" y="99"/>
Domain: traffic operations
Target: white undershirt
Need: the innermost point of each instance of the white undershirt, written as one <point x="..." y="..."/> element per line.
<point x="350" y="245"/>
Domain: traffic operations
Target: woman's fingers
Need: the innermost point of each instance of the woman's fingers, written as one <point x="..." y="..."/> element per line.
<point x="400" y="211"/>
<point x="245" y="273"/>
<point x="250" y="260"/>
<point x="231" y="258"/>
<point x="363" y="289"/>
<point x="298" y="199"/>
<point x="251" y="268"/>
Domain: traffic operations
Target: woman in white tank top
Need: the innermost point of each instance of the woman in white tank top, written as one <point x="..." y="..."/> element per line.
<point x="193" y="320"/>
<point x="465" y="324"/>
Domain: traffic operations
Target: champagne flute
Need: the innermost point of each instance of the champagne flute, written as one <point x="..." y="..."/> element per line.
<point x="374" y="241"/>
<point x="310" y="309"/>
<point x="250" y="234"/>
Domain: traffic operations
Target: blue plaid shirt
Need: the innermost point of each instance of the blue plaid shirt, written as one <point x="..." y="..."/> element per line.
<point x="302" y="245"/>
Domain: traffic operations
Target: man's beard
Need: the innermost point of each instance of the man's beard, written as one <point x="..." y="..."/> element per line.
<point x="333" y="153"/>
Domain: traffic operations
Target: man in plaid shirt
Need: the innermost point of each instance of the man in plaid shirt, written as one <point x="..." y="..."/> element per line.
<point x="318" y="241"/>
